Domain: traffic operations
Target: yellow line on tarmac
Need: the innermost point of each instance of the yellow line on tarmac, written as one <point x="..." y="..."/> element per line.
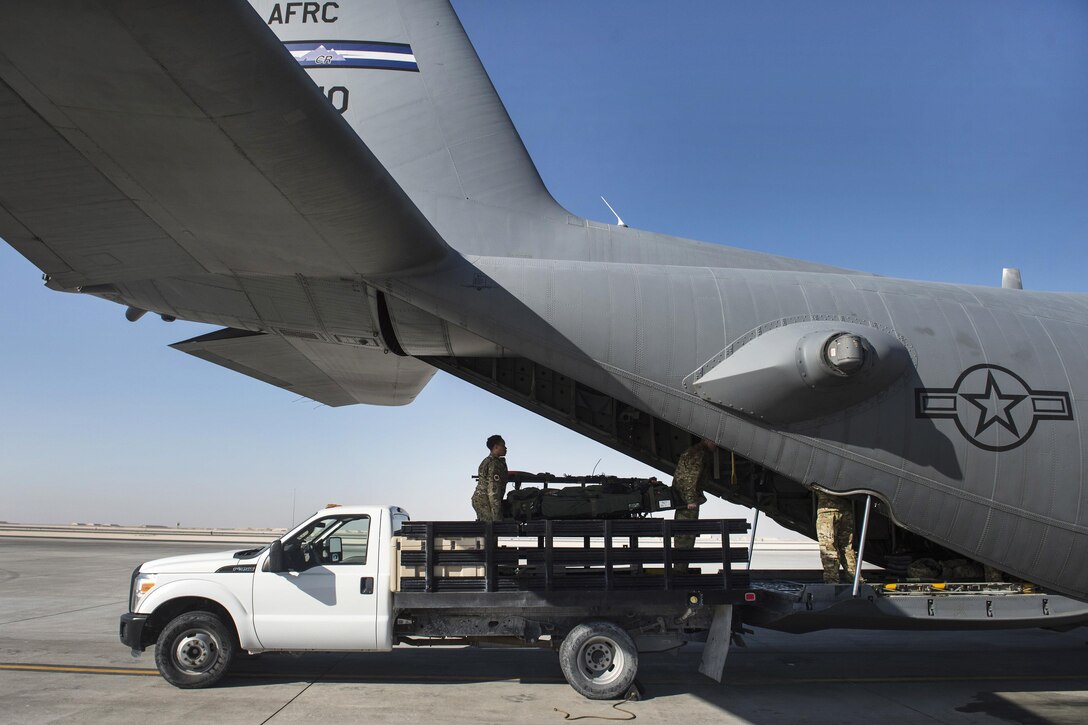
<point x="80" y="670"/>
<point x="140" y="671"/>
<point x="272" y="675"/>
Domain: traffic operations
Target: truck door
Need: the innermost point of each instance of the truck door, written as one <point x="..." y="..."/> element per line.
<point x="326" y="600"/>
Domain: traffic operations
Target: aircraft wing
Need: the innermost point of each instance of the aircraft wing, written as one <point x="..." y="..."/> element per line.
<point x="328" y="373"/>
<point x="149" y="140"/>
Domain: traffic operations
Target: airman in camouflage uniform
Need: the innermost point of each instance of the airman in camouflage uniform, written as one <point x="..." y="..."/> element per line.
<point x="491" y="483"/>
<point x="692" y="472"/>
<point x="835" y="532"/>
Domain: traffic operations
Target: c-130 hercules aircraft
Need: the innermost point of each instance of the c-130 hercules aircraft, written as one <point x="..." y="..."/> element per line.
<point x="338" y="186"/>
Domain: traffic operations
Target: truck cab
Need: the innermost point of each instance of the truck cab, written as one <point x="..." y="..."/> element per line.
<point x="322" y="586"/>
<point x="329" y="589"/>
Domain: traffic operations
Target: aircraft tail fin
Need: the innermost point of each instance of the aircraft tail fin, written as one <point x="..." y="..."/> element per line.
<point x="407" y="79"/>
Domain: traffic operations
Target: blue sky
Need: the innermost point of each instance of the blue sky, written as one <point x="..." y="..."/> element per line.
<point x="925" y="140"/>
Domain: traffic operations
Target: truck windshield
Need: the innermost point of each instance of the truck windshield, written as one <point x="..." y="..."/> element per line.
<point x="312" y="531"/>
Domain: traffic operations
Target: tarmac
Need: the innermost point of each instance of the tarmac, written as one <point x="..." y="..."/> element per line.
<point x="60" y="660"/>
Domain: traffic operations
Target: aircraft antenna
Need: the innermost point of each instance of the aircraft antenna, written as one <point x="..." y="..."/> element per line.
<point x="619" y="222"/>
<point x="1010" y="278"/>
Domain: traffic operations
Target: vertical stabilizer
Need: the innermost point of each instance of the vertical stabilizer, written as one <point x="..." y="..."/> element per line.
<point x="407" y="79"/>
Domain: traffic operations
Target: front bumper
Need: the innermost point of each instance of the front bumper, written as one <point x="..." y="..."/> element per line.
<point x="132" y="630"/>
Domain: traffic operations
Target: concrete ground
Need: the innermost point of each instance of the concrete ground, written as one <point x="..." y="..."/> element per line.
<point x="60" y="660"/>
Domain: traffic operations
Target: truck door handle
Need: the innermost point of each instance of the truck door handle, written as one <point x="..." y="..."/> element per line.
<point x="366" y="585"/>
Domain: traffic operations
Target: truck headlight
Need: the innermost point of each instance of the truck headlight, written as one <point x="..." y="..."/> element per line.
<point x="142" y="584"/>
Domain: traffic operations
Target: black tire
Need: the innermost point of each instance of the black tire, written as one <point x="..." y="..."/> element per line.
<point x="194" y="650"/>
<point x="599" y="660"/>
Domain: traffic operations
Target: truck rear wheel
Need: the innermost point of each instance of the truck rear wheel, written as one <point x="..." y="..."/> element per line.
<point x="194" y="650"/>
<point x="599" y="660"/>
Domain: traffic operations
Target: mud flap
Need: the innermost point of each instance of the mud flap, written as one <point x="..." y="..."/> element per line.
<point x="717" y="643"/>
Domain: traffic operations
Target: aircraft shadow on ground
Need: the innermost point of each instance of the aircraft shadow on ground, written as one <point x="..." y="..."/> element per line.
<point x="756" y="685"/>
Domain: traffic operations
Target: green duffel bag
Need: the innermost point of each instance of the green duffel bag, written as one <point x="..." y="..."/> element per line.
<point x="590" y="502"/>
<point x="522" y="504"/>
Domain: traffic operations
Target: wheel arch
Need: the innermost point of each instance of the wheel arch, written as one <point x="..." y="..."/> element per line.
<point x="170" y="600"/>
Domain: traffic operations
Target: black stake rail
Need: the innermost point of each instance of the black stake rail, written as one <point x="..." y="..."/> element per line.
<point x="534" y="563"/>
<point x="639" y="528"/>
<point x="532" y="556"/>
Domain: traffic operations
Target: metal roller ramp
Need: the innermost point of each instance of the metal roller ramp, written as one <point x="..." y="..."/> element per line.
<point x="808" y="607"/>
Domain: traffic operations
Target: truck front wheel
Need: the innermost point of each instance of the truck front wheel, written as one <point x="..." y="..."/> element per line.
<point x="194" y="650"/>
<point x="599" y="660"/>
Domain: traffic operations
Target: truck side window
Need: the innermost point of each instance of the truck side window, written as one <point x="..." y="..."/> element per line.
<point x="310" y="547"/>
<point x="353" y="535"/>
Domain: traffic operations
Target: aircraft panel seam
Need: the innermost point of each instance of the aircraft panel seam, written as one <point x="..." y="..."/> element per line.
<point x="721" y="301"/>
<point x="1080" y="437"/>
<point x="437" y="118"/>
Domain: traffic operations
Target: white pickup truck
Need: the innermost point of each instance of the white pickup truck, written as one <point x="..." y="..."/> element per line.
<point x="363" y="578"/>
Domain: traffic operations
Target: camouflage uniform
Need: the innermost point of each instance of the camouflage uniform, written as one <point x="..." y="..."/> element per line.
<point x="692" y="473"/>
<point x="490" y="488"/>
<point x="835" y="532"/>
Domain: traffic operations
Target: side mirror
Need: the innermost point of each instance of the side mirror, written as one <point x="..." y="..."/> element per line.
<point x="275" y="557"/>
<point x="336" y="549"/>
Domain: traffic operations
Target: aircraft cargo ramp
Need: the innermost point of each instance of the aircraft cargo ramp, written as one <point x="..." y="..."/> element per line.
<point x="798" y="607"/>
